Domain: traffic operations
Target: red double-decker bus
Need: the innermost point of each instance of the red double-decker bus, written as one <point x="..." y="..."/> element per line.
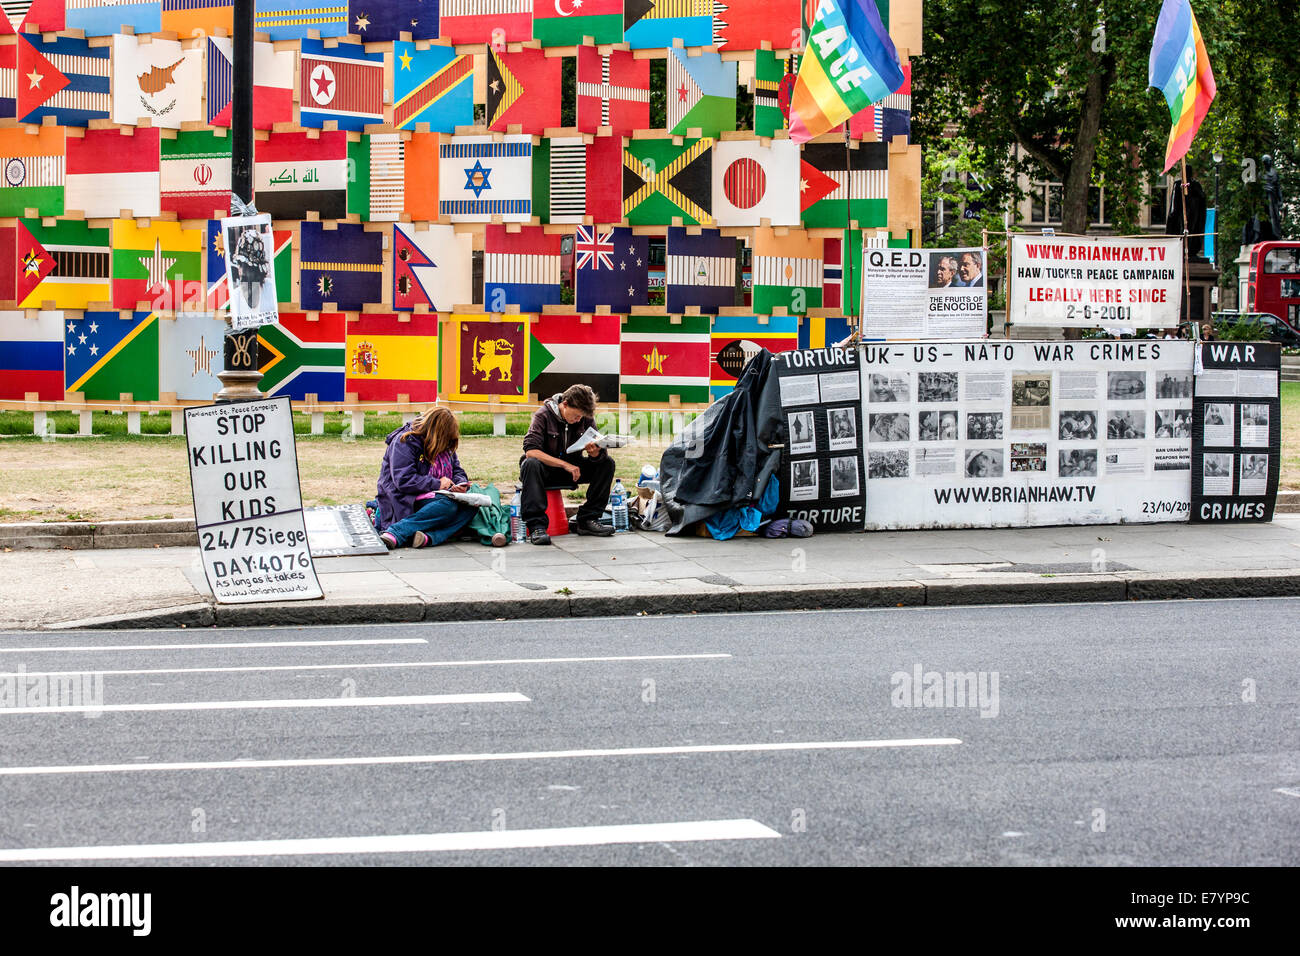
<point x="1273" y="284"/>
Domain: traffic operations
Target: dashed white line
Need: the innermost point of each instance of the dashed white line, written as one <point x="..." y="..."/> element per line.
<point x="280" y="704"/>
<point x="205" y="647"/>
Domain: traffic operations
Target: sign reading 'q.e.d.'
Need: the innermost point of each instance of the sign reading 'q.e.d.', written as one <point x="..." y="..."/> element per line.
<point x="247" y="502"/>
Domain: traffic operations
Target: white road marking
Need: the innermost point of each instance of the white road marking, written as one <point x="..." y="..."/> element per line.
<point x="373" y="665"/>
<point x="684" y="832"/>
<point x="1288" y="791"/>
<point x="507" y="698"/>
<point x="204" y="647"/>
<point x="398" y="759"/>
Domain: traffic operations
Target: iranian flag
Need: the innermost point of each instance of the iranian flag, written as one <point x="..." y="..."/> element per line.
<point x="566" y="22"/>
<point x="660" y="359"/>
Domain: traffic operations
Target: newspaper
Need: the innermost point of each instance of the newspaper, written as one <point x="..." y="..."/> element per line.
<point x="593" y="437"/>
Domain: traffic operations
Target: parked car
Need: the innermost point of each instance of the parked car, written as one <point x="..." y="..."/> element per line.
<point x="1271" y="328"/>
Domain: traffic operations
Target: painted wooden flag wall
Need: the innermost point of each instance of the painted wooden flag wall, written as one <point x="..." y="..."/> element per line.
<point x="393" y="209"/>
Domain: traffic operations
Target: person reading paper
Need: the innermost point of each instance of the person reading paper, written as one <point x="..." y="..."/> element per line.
<point x="548" y="463"/>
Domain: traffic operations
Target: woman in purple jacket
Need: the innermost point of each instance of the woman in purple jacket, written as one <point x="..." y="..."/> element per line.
<point x="420" y="461"/>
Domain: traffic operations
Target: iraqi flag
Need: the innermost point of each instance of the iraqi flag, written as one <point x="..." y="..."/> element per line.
<point x="701" y="270"/>
<point x="392" y="358"/>
<point x="753" y="182"/>
<point x="343" y="83"/>
<point x="294" y="174"/>
<point x="520" y="268"/>
<point x="788" y="272"/>
<point x="611" y="267"/>
<point x="661" y="358"/>
<point x="568" y="349"/>
<point x="613" y="91"/>
<point x="31" y="356"/>
<point x="272" y="83"/>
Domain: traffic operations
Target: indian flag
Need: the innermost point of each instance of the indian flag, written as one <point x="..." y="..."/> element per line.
<point x="788" y="272"/>
<point x="32" y="167"/>
<point x="660" y="358"/>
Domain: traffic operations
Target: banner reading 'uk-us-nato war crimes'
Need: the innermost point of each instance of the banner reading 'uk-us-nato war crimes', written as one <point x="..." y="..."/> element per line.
<point x="1078" y="282"/>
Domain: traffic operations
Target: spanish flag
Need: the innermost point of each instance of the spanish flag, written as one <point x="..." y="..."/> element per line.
<point x="1180" y="68"/>
<point x="849" y="64"/>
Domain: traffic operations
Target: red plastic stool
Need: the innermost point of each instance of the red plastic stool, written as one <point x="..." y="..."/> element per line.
<point x="557" y="522"/>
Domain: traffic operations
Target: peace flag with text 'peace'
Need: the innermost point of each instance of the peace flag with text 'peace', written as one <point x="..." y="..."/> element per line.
<point x="196" y="174"/>
<point x="343" y="265"/>
<point x="566" y="22"/>
<point x="701" y="270"/>
<point x="735" y="339"/>
<point x="189" y="355"/>
<point x="568" y="349"/>
<point x="343" y="83"/>
<point x="613" y="91"/>
<point x="31" y="356"/>
<point x="523" y="89"/>
<point x="160" y="264"/>
<point x="387" y="20"/>
<point x="521" y="268"/>
<point x="788" y="271"/>
<point x="662" y="358"/>
<point x="106" y="356"/>
<point x="109" y="173"/>
<point x="1180" y="69"/>
<point x="850" y="63"/>
<point x="392" y="358"/>
<point x="611" y="267"/>
<point x="434" y="86"/>
<point x="64" y="265"/>
<point x="303" y="356"/>
<point x="432" y="267"/>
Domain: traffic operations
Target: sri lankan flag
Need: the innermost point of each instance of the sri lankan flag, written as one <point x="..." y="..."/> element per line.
<point x="661" y="181"/>
<point x="302" y="356"/>
<point x="63" y="265"/>
<point x="660" y="358"/>
<point x="106" y="356"/>
<point x="850" y="62"/>
<point x="161" y="264"/>
<point x="392" y="358"/>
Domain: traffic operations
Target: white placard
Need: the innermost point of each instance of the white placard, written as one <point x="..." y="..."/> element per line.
<point x="924" y="294"/>
<point x="247" y="502"/>
<point x="1021" y="433"/>
<point x="250" y="271"/>
<point x="1083" y="282"/>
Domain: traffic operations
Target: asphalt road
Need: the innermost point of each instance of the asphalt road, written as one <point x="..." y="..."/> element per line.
<point x="1118" y="735"/>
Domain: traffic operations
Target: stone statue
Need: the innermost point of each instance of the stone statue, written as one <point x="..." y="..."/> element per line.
<point x="1272" y="195"/>
<point x="1195" y="215"/>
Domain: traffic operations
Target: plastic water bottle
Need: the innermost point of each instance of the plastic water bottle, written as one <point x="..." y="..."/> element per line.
<point x="618" y="506"/>
<point x="516" y="523"/>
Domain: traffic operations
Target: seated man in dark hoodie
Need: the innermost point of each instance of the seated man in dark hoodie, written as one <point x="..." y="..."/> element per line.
<point x="547" y="462"/>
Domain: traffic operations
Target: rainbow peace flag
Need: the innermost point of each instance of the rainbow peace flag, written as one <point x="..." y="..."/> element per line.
<point x="1180" y="68"/>
<point x="850" y="63"/>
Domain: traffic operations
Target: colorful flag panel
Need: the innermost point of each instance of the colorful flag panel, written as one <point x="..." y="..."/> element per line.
<point x="106" y="356"/>
<point x="302" y="355"/>
<point x="392" y="358"/>
<point x="434" y="86"/>
<point x="662" y="358"/>
<point x="735" y="339"/>
<point x="520" y="268"/>
<point x="701" y="270"/>
<point x="613" y="91"/>
<point x="342" y="83"/>
<point x="485" y="358"/>
<point x="568" y="350"/>
<point x="31" y="356"/>
<point x="611" y="268"/>
<point x="343" y="266"/>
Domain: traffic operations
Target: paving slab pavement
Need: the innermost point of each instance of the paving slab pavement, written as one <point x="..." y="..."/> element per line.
<point x="641" y="573"/>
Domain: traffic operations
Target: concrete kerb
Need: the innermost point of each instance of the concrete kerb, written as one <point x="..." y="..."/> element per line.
<point x="1135" y="586"/>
